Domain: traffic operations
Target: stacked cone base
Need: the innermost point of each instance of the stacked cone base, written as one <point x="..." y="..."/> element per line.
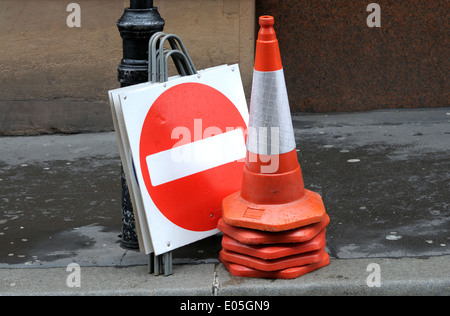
<point x="269" y="252"/>
<point x="275" y="264"/>
<point x="286" y="255"/>
<point x="255" y="237"/>
<point x="290" y="273"/>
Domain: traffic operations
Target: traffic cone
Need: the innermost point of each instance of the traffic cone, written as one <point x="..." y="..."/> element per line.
<point x="273" y="227"/>
<point x="273" y="197"/>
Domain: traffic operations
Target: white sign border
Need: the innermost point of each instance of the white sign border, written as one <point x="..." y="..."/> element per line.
<point x="165" y="235"/>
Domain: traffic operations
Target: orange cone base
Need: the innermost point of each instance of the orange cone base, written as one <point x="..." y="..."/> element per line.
<point x="256" y="237"/>
<point x="274" y="264"/>
<point x="289" y="273"/>
<point x="268" y="252"/>
<point x="273" y="218"/>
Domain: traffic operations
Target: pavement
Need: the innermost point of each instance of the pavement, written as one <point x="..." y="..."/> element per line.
<point x="384" y="177"/>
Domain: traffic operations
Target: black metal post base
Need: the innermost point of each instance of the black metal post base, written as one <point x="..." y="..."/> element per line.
<point x="137" y="24"/>
<point x="129" y="235"/>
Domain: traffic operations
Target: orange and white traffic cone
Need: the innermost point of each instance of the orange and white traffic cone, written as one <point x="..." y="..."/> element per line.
<point x="272" y="199"/>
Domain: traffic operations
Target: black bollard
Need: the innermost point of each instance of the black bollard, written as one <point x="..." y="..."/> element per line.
<point x="137" y="24"/>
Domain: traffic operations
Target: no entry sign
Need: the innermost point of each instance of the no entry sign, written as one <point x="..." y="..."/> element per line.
<point x="187" y="140"/>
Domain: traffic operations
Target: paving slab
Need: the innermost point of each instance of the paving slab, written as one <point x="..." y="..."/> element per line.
<point x="187" y="280"/>
<point x="406" y="276"/>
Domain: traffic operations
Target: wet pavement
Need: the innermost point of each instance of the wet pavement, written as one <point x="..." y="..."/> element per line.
<point x="60" y="203"/>
<point x="384" y="177"/>
<point x="58" y="196"/>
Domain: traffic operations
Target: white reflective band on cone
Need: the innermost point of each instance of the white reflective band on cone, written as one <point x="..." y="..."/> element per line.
<point x="270" y="129"/>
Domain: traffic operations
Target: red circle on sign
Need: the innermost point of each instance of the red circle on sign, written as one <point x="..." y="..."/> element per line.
<point x="192" y="202"/>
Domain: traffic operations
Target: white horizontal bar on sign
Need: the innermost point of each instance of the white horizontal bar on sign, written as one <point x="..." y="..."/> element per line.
<point x="192" y="158"/>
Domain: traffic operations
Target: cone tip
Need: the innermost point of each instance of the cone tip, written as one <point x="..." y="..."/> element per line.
<point x="267" y="56"/>
<point x="266" y="21"/>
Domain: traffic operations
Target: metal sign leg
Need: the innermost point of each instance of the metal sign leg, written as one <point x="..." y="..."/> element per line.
<point x="158" y="57"/>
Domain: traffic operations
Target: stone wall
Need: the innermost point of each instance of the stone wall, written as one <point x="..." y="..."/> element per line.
<point x="55" y="78"/>
<point x="334" y="61"/>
